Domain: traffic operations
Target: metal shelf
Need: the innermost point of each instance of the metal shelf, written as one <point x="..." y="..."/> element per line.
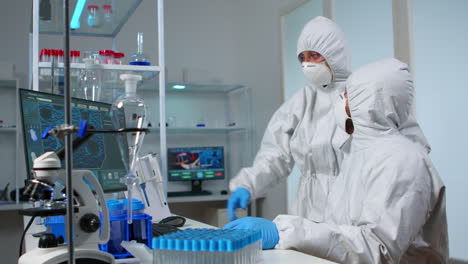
<point x="200" y="129"/>
<point x="7" y="129"/>
<point x="121" y="11"/>
<point x="202" y="87"/>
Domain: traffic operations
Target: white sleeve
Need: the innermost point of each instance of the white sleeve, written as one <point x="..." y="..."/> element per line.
<point x="274" y="161"/>
<point x="394" y="211"/>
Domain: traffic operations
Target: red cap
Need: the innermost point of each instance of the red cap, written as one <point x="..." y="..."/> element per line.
<point x="54" y="52"/>
<point x="93" y="6"/>
<point x="74" y="53"/>
<point x="106" y="52"/>
<point x="119" y="55"/>
<point x="60" y="53"/>
<point x="107" y="6"/>
<point x="43" y="52"/>
<point x="48" y="52"/>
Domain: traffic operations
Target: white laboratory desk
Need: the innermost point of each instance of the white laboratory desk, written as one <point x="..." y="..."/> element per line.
<point x="273" y="256"/>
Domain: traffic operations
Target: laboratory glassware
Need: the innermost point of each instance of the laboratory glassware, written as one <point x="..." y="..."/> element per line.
<point x="94" y="17"/>
<point x="106" y="56"/>
<point x="108" y="17"/>
<point x="118" y="58"/>
<point x="139" y="58"/>
<point x="90" y="81"/>
<point x="129" y="112"/>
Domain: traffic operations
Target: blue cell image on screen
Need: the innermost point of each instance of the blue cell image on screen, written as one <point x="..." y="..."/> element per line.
<point x="91" y="154"/>
<point x="99" y="154"/>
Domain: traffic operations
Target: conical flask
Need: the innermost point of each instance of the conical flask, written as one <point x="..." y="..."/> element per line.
<point x="129" y="111"/>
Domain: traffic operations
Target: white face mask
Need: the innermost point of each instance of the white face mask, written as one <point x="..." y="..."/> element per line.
<point x="340" y="112"/>
<point x="317" y="73"/>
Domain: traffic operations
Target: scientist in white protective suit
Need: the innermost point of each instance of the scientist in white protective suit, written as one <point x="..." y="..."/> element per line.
<point x="300" y="133"/>
<point x="388" y="203"/>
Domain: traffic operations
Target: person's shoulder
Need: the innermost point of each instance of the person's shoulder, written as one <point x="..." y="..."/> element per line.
<point x="399" y="152"/>
<point x="297" y="102"/>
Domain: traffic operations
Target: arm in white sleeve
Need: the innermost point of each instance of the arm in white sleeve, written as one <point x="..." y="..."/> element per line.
<point x="393" y="212"/>
<point x="274" y="161"/>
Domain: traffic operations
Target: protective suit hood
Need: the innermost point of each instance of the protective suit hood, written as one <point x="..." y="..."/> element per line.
<point x="322" y="35"/>
<point x="381" y="96"/>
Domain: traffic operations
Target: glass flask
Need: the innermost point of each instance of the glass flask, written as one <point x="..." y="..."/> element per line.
<point x="129" y="111"/>
<point x="90" y="81"/>
<point x="139" y="58"/>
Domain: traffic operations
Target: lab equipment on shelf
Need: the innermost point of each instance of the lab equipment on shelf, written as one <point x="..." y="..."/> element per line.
<point x="118" y="58"/>
<point x="139" y="58"/>
<point x="90" y="81"/>
<point x="106" y="56"/>
<point x="206" y="246"/>
<point x="94" y="16"/>
<point x="108" y="17"/>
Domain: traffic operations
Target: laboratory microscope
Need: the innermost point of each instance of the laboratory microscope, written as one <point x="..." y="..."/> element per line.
<point x="89" y="229"/>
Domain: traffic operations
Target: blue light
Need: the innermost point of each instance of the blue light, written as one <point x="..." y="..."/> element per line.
<point x="178" y="86"/>
<point x="75" y="21"/>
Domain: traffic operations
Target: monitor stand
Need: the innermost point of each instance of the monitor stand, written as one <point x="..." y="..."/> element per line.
<point x="196" y="190"/>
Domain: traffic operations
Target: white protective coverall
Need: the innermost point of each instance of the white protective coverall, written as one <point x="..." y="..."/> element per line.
<point x="388" y="203"/>
<point x="301" y="130"/>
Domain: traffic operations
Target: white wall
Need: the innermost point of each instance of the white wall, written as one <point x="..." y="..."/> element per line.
<point x="293" y="76"/>
<point x="368" y="28"/>
<point x="440" y="65"/>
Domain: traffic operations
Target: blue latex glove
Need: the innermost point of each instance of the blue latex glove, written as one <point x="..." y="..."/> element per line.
<point x="270" y="236"/>
<point x="239" y="199"/>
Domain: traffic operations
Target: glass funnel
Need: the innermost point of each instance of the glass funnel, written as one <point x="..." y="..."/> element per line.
<point x="129" y="112"/>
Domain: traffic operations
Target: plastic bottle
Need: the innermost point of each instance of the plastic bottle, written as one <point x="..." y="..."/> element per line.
<point x="118" y="58"/>
<point x="94" y="18"/>
<point x="108" y="16"/>
<point x="106" y="56"/>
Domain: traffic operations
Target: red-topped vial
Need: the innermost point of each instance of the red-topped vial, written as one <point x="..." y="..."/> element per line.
<point x="75" y="56"/>
<point x="60" y="55"/>
<point x="106" y="56"/>
<point x="118" y="58"/>
<point x="94" y="18"/>
<point x="45" y="55"/>
<point x="54" y="55"/>
<point x="108" y="18"/>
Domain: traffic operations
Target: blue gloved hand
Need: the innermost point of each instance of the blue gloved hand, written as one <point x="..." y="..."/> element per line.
<point x="270" y="236"/>
<point x="239" y="199"/>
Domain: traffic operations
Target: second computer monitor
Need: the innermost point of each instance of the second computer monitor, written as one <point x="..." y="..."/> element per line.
<point x="196" y="163"/>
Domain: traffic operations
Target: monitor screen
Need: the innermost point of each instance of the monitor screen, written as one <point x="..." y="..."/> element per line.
<point x="99" y="154"/>
<point x="195" y="163"/>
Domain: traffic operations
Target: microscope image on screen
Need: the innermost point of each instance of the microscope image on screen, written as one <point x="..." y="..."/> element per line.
<point x="195" y="163"/>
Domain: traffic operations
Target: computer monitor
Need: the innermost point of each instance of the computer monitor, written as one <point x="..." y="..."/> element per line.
<point x="99" y="154"/>
<point x="195" y="164"/>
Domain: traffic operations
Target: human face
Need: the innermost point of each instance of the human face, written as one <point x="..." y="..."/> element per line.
<point x="312" y="56"/>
